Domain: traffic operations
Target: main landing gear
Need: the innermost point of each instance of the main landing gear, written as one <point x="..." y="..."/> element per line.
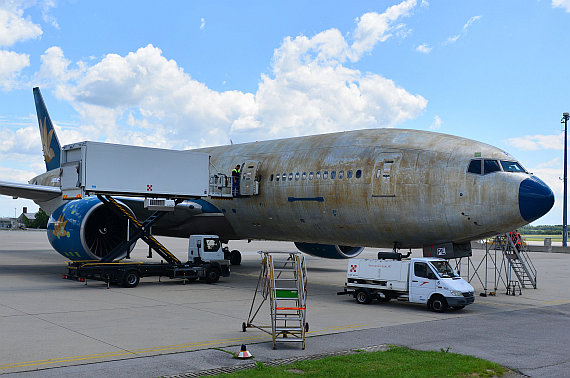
<point x="234" y="256"/>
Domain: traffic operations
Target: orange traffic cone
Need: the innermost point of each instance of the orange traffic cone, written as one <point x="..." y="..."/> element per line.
<point x="243" y="353"/>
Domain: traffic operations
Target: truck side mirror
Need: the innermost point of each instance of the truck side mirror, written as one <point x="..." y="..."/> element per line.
<point x="199" y="244"/>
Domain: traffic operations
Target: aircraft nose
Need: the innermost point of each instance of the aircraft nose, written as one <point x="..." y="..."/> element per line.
<point x="535" y="199"/>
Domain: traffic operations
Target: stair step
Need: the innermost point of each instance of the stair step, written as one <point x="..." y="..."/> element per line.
<point x="284" y="269"/>
<point x="291" y="318"/>
<point x="288" y="329"/>
<point x="290" y="339"/>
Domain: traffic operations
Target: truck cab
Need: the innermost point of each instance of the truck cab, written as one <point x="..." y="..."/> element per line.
<point x="207" y="248"/>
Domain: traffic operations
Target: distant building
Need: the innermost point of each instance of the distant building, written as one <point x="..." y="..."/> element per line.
<point x="25" y="217"/>
<point x="7" y="223"/>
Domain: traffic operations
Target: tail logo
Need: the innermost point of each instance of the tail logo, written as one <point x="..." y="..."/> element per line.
<point x="59" y="227"/>
<point x="46" y="141"/>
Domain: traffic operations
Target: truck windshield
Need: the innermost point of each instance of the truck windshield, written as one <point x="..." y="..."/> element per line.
<point x="211" y="245"/>
<point x="443" y="269"/>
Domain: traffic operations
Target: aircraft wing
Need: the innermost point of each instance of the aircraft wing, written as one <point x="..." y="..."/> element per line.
<point x="34" y="192"/>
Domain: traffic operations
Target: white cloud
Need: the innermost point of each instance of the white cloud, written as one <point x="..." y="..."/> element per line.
<point x="202" y="23"/>
<point x="466" y="26"/>
<point x="424" y="48"/>
<point x="13" y="26"/>
<point x="374" y="27"/>
<point x="538" y="142"/>
<point x="561" y="4"/>
<point x="146" y="99"/>
<point x="436" y="124"/>
<point x="11" y="63"/>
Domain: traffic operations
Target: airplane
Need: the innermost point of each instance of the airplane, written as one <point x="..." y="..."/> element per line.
<point x="331" y="194"/>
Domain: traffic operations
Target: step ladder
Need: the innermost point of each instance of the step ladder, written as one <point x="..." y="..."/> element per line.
<point x="515" y="251"/>
<point x="283" y="283"/>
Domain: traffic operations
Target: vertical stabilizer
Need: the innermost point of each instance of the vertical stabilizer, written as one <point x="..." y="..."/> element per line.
<point x="50" y="143"/>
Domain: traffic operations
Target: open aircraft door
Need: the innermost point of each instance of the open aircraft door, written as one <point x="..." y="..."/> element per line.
<point x="385" y="174"/>
<point x="249" y="181"/>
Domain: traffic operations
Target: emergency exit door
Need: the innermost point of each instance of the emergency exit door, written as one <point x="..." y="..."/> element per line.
<point x="385" y="174"/>
<point x="249" y="184"/>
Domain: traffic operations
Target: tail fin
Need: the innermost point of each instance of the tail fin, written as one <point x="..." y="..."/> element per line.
<point x="50" y="143"/>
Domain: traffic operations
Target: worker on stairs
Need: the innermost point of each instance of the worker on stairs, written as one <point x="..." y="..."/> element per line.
<point x="517" y="239"/>
<point x="235" y="181"/>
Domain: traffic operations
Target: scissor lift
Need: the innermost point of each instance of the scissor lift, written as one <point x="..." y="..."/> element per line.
<point x="282" y="281"/>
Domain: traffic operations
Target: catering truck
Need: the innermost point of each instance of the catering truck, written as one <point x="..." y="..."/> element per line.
<point x="431" y="281"/>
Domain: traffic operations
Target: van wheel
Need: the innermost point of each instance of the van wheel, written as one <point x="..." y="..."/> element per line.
<point x="438" y="304"/>
<point x="131" y="279"/>
<point x="235" y="257"/>
<point x="212" y="275"/>
<point x="363" y="296"/>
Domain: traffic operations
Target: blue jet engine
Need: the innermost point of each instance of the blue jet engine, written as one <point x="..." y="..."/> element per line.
<point x="329" y="251"/>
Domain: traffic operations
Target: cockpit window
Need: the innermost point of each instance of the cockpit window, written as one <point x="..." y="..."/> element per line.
<point x="511" y="166"/>
<point x="475" y="167"/>
<point x="491" y="166"/>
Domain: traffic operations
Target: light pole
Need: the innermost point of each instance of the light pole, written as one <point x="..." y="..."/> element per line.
<point x="564" y="120"/>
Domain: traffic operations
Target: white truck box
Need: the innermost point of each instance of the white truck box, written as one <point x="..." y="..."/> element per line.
<point x="94" y="167"/>
<point x="392" y="274"/>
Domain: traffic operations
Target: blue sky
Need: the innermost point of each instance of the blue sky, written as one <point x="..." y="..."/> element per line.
<point x="179" y="74"/>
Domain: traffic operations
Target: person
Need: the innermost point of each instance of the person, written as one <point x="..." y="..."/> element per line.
<point x="235" y="181"/>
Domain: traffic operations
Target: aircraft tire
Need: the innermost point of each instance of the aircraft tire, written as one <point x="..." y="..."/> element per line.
<point x="363" y="296"/>
<point x="235" y="257"/>
<point x="131" y="278"/>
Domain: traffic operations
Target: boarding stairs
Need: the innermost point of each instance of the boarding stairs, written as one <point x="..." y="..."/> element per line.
<point x="282" y="282"/>
<point x="515" y="251"/>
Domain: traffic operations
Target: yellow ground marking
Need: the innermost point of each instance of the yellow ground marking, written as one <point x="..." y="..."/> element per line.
<point x="135" y="352"/>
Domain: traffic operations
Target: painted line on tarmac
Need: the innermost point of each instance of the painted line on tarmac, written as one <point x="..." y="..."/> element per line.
<point x="136" y="352"/>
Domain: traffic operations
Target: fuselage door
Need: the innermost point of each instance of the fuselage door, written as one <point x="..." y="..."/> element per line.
<point x="249" y="181"/>
<point x="385" y="174"/>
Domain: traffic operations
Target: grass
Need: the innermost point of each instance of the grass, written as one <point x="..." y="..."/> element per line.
<point x="396" y="362"/>
<point x="541" y="237"/>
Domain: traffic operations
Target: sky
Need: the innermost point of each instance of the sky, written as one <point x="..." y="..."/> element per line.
<point x="180" y="74"/>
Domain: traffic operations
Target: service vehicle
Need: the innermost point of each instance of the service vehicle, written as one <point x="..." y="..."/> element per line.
<point x="205" y="261"/>
<point x="417" y="280"/>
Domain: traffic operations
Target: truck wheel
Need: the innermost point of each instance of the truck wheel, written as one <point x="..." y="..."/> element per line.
<point x="235" y="257"/>
<point x="362" y="296"/>
<point x="212" y="275"/>
<point x="131" y="279"/>
<point x="438" y="304"/>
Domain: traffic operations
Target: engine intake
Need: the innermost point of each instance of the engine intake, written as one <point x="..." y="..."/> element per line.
<point x="86" y="229"/>
<point x="329" y="251"/>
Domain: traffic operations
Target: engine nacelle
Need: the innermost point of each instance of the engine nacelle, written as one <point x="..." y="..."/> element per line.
<point x="86" y="229"/>
<point x="329" y="251"/>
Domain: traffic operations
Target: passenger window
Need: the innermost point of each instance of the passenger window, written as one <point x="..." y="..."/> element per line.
<point x="349" y="173"/>
<point x="318" y="175"/>
<point x="340" y="174"/>
<point x="475" y="167"/>
<point x="297" y="176"/>
<point x="311" y="176"/>
<point x="271" y="177"/>
<point x="304" y="175"/>
<point x="325" y="175"/>
<point x="284" y="177"/>
<point x="358" y="173"/>
<point x="491" y="166"/>
<point x="333" y="175"/>
<point x="290" y="176"/>
<point x="277" y="177"/>
<point x="378" y="173"/>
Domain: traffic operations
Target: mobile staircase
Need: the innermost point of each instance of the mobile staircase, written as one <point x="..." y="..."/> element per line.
<point x="515" y="252"/>
<point x="282" y="282"/>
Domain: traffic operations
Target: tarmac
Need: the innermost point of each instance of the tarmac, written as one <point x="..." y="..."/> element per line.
<point x="54" y="327"/>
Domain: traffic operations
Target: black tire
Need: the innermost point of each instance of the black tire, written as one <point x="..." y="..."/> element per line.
<point x="383" y="300"/>
<point x="362" y="296"/>
<point x="438" y="304"/>
<point x="131" y="278"/>
<point x="458" y="307"/>
<point x="235" y="257"/>
<point x="306" y="327"/>
<point x="212" y="275"/>
<point x="243" y="327"/>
